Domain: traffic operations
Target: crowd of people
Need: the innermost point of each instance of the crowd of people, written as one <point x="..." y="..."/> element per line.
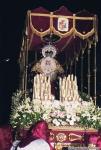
<point x="37" y="138"/>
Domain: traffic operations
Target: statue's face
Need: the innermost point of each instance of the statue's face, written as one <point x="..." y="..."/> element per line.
<point x="48" y="65"/>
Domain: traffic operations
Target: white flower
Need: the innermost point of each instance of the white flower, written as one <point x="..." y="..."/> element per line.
<point x="56" y="122"/>
<point x="24" y="115"/>
<point x="63" y="123"/>
<point x="73" y="118"/>
<point x="45" y="116"/>
<point x="16" y="115"/>
<point x="94" y="117"/>
<point x="77" y="118"/>
<point x="68" y="116"/>
<point x="29" y="111"/>
<point x="58" y="113"/>
<point x="56" y="104"/>
<point x="37" y="109"/>
<point x="71" y="122"/>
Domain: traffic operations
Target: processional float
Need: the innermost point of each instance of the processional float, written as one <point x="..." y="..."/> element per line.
<point x="61" y="35"/>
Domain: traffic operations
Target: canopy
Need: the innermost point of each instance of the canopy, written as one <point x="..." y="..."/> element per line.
<point x="82" y="27"/>
<point x="72" y="33"/>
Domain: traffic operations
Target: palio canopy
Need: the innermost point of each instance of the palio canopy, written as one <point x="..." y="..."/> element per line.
<point x="73" y="30"/>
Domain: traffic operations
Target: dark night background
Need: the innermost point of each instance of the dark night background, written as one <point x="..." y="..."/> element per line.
<point x="12" y="20"/>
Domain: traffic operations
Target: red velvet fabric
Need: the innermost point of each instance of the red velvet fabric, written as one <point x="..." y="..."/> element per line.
<point x="5" y="137"/>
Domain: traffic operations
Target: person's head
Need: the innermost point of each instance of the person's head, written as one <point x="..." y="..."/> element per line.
<point x="40" y="130"/>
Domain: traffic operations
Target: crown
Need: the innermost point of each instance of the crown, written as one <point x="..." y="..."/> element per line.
<point x="49" y="51"/>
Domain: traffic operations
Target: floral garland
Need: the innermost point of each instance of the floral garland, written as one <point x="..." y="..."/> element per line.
<point x="73" y="113"/>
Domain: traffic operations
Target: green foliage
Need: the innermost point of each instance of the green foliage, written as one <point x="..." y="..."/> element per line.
<point x="22" y="114"/>
<point x="84" y="96"/>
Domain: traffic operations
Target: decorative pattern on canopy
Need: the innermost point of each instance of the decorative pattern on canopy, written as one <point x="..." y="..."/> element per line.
<point x="41" y="22"/>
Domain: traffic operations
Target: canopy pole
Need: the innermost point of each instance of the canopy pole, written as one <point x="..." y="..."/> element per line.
<point x="71" y="65"/>
<point x="82" y="71"/>
<point x="95" y="42"/>
<point x="26" y="52"/>
<point x="23" y="78"/>
<point x="66" y="63"/>
<point x="75" y="65"/>
<point x="36" y="56"/>
<point x="95" y="72"/>
<point x="26" y="64"/>
<point x="89" y="75"/>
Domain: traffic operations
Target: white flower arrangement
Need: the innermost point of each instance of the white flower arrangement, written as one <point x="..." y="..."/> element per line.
<point x="56" y="113"/>
<point x="91" y="117"/>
